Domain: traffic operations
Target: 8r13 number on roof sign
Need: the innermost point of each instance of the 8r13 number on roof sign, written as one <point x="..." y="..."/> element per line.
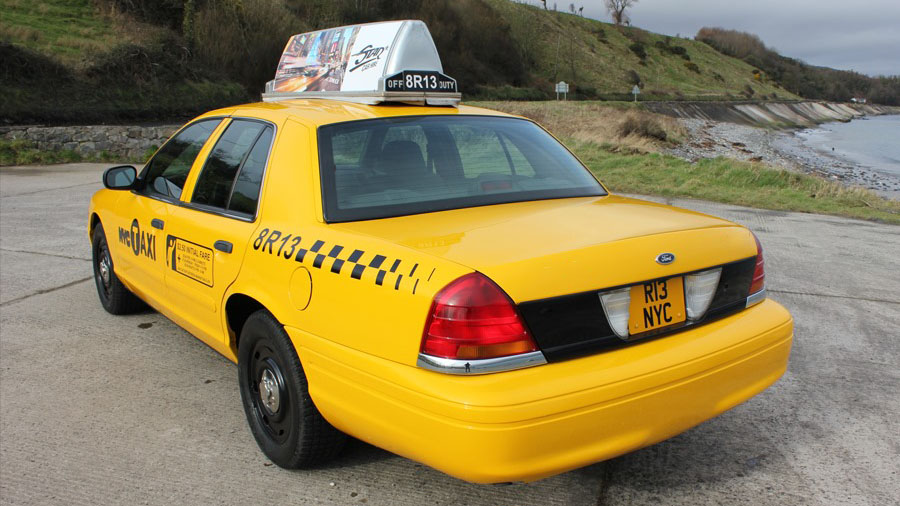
<point x="423" y="80"/>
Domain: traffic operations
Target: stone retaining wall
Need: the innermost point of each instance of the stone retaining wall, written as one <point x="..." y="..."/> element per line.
<point x="131" y="142"/>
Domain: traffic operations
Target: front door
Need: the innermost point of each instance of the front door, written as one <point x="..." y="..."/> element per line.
<point x="207" y="234"/>
<point x="137" y="239"/>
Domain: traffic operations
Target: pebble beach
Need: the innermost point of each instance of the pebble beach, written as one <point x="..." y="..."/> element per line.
<point x="780" y="148"/>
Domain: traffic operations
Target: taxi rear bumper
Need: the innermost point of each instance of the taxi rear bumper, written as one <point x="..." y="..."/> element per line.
<point x="532" y="423"/>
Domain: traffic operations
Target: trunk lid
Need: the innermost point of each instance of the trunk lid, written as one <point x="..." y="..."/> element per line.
<point x="540" y="249"/>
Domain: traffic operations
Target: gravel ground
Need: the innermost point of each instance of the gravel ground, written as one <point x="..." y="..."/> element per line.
<point x="781" y="148"/>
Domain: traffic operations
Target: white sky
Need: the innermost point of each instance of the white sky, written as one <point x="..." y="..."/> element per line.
<point x="860" y="35"/>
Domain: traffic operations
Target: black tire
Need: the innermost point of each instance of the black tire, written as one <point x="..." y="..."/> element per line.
<point x="288" y="428"/>
<point x="114" y="296"/>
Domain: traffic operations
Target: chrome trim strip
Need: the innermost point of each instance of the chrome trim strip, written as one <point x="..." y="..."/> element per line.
<point x="483" y="366"/>
<point x="756" y="298"/>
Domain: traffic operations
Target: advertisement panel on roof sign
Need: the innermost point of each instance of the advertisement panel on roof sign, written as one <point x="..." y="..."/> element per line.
<point x="349" y="58"/>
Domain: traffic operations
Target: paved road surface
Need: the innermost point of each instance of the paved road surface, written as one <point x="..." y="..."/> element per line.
<point x="96" y="409"/>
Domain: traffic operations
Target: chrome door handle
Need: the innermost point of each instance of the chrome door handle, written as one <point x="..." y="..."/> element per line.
<point x="223" y="246"/>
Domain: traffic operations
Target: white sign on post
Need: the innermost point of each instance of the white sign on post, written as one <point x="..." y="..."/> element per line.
<point x="635" y="91"/>
<point x="562" y="87"/>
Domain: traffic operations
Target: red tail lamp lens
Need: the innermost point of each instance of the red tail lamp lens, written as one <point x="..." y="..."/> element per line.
<point x="471" y="319"/>
<point x="759" y="273"/>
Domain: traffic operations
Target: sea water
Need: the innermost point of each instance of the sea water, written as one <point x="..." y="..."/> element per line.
<point x="872" y="141"/>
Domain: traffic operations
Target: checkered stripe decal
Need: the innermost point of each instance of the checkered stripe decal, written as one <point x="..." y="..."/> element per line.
<point x="337" y="259"/>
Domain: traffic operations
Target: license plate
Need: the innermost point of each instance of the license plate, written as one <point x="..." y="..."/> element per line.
<point x="656" y="304"/>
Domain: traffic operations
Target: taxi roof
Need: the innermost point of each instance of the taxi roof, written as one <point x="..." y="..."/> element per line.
<point x="318" y="112"/>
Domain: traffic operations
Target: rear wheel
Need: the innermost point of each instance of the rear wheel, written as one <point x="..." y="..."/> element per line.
<point x="287" y="426"/>
<point x="114" y="296"/>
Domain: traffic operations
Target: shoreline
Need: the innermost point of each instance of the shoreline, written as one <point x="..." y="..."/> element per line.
<point x="780" y="148"/>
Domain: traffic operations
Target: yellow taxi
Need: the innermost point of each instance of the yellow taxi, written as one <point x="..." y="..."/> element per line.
<point x="445" y="282"/>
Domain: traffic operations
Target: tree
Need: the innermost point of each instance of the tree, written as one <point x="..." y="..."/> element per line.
<point x="616" y="9"/>
<point x="545" y="4"/>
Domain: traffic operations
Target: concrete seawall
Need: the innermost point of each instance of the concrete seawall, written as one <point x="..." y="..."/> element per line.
<point x="769" y="114"/>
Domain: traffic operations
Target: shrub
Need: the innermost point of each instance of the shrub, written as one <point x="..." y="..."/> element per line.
<point x="507" y="92"/>
<point x="22" y="65"/>
<point x="243" y="39"/>
<point x="634" y="78"/>
<point x="666" y="47"/>
<point x="585" y="93"/>
<point x="164" y="59"/>
<point x="642" y="125"/>
<point x="639" y="50"/>
<point x="168" y="13"/>
<point x="634" y="34"/>
<point x="692" y="66"/>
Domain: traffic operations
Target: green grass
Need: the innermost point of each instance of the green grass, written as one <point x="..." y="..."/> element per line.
<point x="594" y="55"/>
<point x="733" y="182"/>
<point x="63" y="28"/>
<point x="22" y="152"/>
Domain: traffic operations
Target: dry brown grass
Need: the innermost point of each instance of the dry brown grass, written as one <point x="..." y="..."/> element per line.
<point x="617" y="128"/>
<point x="80" y="43"/>
<point x="23" y="33"/>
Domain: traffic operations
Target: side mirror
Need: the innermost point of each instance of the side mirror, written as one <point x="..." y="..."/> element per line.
<point x="120" y="178"/>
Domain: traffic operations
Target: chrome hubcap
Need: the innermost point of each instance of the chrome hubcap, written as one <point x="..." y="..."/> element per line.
<point x="104" y="268"/>
<point x="269" y="395"/>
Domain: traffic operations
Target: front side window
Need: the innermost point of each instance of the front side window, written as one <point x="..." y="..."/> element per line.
<point x="408" y="165"/>
<point x="167" y="172"/>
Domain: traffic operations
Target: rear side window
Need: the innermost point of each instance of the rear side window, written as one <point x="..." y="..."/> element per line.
<point x="249" y="179"/>
<point x="168" y="170"/>
<point x="232" y="174"/>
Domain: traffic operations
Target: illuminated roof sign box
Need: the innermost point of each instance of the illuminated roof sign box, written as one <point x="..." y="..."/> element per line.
<point x="392" y="61"/>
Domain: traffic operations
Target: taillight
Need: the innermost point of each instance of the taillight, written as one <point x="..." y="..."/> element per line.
<point x="759" y="273"/>
<point x="472" y="319"/>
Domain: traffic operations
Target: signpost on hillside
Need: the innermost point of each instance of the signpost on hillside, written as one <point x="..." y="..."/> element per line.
<point x="635" y="91"/>
<point x="562" y="87"/>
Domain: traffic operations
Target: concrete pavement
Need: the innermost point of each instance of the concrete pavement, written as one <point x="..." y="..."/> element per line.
<point x="96" y="409"/>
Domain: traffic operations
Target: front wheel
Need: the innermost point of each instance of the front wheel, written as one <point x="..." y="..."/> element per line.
<point x="114" y="296"/>
<point x="287" y="426"/>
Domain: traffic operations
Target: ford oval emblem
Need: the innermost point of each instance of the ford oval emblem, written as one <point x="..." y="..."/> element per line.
<point x="665" y="258"/>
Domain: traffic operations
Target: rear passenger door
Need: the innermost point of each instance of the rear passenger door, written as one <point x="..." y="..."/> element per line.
<point x="207" y="234"/>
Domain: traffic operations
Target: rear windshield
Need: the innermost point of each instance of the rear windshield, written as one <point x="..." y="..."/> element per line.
<point x="408" y="165"/>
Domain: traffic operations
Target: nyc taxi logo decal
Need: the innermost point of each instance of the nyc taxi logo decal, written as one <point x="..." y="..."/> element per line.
<point x="356" y="262"/>
<point x="141" y="243"/>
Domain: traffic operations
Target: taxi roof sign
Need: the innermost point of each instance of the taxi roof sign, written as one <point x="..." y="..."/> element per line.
<point x="391" y="61"/>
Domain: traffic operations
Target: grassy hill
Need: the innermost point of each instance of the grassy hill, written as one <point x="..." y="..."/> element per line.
<point x="602" y="59"/>
<point x="127" y="60"/>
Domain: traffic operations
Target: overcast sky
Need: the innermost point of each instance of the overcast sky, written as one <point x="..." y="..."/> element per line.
<point x="860" y="35"/>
